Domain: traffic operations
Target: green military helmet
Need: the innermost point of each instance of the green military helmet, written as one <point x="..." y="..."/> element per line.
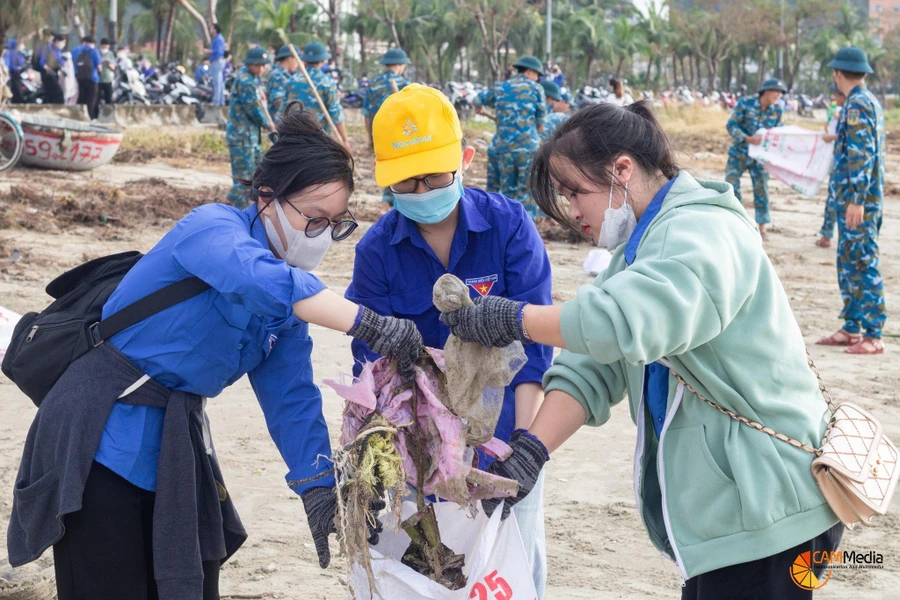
<point x="851" y="59"/>
<point x="551" y="89"/>
<point x="773" y="84"/>
<point x="530" y="62"/>
<point x="285" y="51"/>
<point x="315" y="52"/>
<point x="395" y="56"/>
<point x="256" y="56"/>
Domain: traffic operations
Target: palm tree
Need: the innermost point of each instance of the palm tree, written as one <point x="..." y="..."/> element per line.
<point x="657" y="34"/>
<point x="628" y="41"/>
<point x="365" y="26"/>
<point x="589" y="38"/>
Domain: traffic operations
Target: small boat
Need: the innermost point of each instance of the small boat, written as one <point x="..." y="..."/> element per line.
<point x="56" y="143"/>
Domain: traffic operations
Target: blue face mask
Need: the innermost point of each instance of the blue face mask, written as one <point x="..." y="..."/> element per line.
<point x="431" y="207"/>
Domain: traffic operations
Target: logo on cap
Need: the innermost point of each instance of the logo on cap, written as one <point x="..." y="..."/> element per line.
<point x="409" y="127"/>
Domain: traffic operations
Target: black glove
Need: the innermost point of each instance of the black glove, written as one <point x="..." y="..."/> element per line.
<point x="494" y="322"/>
<point x="321" y="507"/>
<point x="525" y="464"/>
<point x="394" y="338"/>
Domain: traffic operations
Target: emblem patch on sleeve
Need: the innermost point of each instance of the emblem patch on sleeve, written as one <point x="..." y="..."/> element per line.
<point x="853" y="116"/>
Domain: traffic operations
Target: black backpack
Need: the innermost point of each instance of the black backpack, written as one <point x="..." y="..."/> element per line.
<point x="44" y="344"/>
<point x="84" y="66"/>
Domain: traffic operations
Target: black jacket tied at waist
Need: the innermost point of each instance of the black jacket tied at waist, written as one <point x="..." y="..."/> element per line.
<point x="194" y="519"/>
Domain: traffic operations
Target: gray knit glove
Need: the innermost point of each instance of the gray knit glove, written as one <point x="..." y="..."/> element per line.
<point x="321" y="507"/>
<point x="525" y="464"/>
<point x="494" y="322"/>
<point x="391" y="337"/>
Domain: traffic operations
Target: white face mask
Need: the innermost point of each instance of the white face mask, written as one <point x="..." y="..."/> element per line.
<point x="302" y="251"/>
<point x="618" y="224"/>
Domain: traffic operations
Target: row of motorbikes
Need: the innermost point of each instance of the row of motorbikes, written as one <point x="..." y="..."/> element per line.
<point x="168" y="86"/>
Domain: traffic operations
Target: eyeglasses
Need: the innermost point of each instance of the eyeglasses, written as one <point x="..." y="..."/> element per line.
<point x="340" y="230"/>
<point x="432" y="182"/>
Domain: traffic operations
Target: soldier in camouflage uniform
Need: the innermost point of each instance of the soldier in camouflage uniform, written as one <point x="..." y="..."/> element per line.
<point x="751" y="114"/>
<point x="859" y="188"/>
<point x="521" y="107"/>
<point x="285" y="68"/>
<point x="315" y="54"/>
<point x="392" y="80"/>
<point x="557" y="108"/>
<point x="246" y="114"/>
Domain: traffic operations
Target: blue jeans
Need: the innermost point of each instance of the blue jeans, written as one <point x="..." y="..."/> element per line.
<point x="530" y="516"/>
<point x="217" y="67"/>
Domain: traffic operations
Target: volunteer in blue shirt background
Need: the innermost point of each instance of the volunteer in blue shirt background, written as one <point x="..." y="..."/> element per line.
<point x="15" y="63"/>
<point x="438" y="227"/>
<point x="86" y="59"/>
<point x="122" y="521"/>
<point x="49" y="62"/>
<point x="216" y="54"/>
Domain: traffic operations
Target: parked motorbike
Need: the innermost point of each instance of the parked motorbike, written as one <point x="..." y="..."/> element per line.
<point x="352" y="99"/>
<point x="461" y="95"/>
<point x="130" y="87"/>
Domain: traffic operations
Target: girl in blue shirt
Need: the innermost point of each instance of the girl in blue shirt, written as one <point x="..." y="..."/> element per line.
<point x="253" y="320"/>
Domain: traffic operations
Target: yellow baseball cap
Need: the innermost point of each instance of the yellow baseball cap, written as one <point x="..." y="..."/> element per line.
<point x="416" y="131"/>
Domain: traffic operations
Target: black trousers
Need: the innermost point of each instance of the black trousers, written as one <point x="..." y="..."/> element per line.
<point x="15" y="85"/>
<point x="764" y="579"/>
<point x="53" y="92"/>
<point x="87" y="95"/>
<point x="106" y="90"/>
<point x="107" y="550"/>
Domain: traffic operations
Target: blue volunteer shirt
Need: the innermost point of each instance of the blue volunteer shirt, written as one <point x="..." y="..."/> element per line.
<point x="244" y="325"/>
<point x="217" y="48"/>
<point x="95" y="60"/>
<point x="496" y="251"/>
<point x="45" y="53"/>
<point x="656" y="375"/>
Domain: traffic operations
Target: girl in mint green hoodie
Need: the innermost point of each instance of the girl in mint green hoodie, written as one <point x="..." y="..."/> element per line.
<point x="689" y="293"/>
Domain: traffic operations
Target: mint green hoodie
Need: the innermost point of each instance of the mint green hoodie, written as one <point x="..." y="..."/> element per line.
<point x="703" y="298"/>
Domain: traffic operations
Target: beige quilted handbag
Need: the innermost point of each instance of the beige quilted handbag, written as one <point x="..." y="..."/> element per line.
<point x="856" y="466"/>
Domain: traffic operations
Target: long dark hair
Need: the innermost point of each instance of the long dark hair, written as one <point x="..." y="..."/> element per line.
<point x="303" y="155"/>
<point x="591" y="140"/>
<point x="617" y="87"/>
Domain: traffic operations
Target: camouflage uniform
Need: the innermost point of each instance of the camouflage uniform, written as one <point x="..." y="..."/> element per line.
<point x="298" y="89"/>
<point x="552" y="122"/>
<point x="746" y="120"/>
<point x="379" y="89"/>
<point x="245" y="117"/>
<point x="859" y="179"/>
<point x="275" y="91"/>
<point x="830" y="213"/>
<point x="830" y="210"/>
<point x="520" y="106"/>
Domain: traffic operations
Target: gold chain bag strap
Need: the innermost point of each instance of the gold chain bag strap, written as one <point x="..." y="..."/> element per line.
<point x="856" y="468"/>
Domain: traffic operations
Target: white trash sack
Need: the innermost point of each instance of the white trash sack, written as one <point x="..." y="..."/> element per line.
<point x="597" y="261"/>
<point x="496" y="566"/>
<point x="799" y="157"/>
<point x="8" y="320"/>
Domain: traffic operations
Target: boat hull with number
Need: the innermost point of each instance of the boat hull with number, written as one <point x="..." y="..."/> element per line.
<point x="66" y="144"/>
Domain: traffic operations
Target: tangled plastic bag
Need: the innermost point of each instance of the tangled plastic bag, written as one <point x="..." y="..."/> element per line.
<point x="422" y="431"/>
<point x="476" y="375"/>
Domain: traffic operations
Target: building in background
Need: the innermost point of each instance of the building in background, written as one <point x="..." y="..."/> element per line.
<point x="884" y="16"/>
